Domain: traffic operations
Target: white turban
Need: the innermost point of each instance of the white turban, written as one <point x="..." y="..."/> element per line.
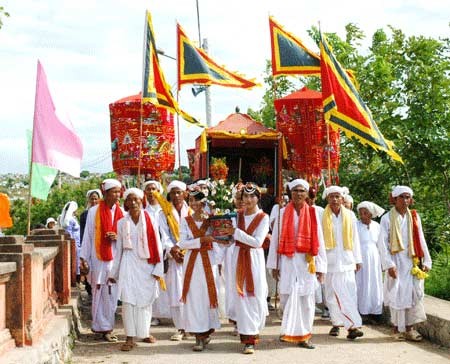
<point x="398" y="190"/>
<point x="373" y="208"/>
<point x="49" y="220"/>
<point x="156" y="183"/>
<point x="333" y="189"/>
<point x="110" y="183"/>
<point x="97" y="191"/>
<point x="297" y="182"/>
<point x="176" y="184"/>
<point x="201" y="182"/>
<point x="135" y="191"/>
<point x="348" y="198"/>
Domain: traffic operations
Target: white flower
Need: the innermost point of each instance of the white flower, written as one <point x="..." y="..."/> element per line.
<point x="212" y="203"/>
<point x="213" y="192"/>
<point x="221" y="182"/>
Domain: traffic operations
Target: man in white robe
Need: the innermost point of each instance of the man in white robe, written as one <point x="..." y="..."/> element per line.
<point x="343" y="259"/>
<point x="161" y="307"/>
<point x="137" y="268"/>
<point x="170" y="218"/>
<point x="296" y="276"/>
<point x="405" y="256"/>
<point x="97" y="254"/>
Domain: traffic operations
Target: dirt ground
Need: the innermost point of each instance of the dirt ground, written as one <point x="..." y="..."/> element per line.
<point x="376" y="347"/>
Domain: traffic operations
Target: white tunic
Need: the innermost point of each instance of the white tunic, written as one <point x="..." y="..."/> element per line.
<point x="340" y="284"/>
<point x="104" y="296"/>
<point x="369" y="280"/>
<point x="199" y="317"/>
<point x="296" y="282"/>
<point x="175" y="272"/>
<point x="251" y="311"/>
<point x="405" y="291"/>
<point x="161" y="308"/>
<point x="134" y="275"/>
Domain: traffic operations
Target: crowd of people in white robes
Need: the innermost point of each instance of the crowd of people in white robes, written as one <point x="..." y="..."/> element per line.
<point x="162" y="258"/>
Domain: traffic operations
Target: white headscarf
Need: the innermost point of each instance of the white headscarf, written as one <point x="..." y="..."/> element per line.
<point x="109" y="183"/>
<point x="97" y="191"/>
<point x="176" y="184"/>
<point x="333" y="189"/>
<point x="297" y="182"/>
<point x="398" y="190"/>
<point x="67" y="213"/>
<point x="135" y="191"/>
<point x="374" y="209"/>
<point x="156" y="183"/>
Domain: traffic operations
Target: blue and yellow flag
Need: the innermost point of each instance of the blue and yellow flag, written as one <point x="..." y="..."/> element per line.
<point x="343" y="107"/>
<point x="195" y="66"/>
<point x="289" y="54"/>
<point x="155" y="89"/>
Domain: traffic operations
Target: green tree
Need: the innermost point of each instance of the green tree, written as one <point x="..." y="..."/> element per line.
<point x="3" y="14"/>
<point x="41" y="210"/>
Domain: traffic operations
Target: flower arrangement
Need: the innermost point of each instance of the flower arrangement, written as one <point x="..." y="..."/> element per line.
<point x="218" y="169"/>
<point x="221" y="198"/>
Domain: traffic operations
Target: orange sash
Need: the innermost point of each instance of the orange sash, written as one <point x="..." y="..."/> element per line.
<point x="199" y="233"/>
<point x="244" y="262"/>
<point x="306" y="240"/>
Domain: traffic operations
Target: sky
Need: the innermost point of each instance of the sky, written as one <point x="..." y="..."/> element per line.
<point x="91" y="51"/>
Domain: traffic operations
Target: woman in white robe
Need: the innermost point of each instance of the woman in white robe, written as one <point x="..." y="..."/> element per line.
<point x="249" y="293"/>
<point x="200" y="295"/>
<point x="137" y="268"/>
<point x="369" y="280"/>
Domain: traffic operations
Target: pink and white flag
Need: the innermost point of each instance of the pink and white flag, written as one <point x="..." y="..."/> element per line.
<point x="55" y="144"/>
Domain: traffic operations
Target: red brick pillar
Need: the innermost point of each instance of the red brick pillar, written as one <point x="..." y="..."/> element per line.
<point x="63" y="263"/>
<point x="13" y="249"/>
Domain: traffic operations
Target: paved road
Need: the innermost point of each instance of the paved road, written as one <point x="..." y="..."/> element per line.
<point x="376" y="347"/>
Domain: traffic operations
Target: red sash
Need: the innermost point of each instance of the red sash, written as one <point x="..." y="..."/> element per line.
<point x="416" y="235"/>
<point x="105" y="249"/>
<point x="151" y="240"/>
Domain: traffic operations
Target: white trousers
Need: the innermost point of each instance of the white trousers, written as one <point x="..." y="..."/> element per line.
<point x="136" y="320"/>
<point x="408" y="316"/>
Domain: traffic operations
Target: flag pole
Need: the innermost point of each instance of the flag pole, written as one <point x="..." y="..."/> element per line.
<point x="141" y="111"/>
<point x="180" y="175"/>
<point x="328" y="153"/>
<point x="30" y="174"/>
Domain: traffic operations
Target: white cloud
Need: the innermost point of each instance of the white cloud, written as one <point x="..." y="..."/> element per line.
<point x="92" y="54"/>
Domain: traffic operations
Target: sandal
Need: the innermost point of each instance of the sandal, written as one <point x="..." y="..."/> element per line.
<point x="149" y="340"/>
<point x="110" y="337"/>
<point x="306" y="345"/>
<point x="413" y="335"/>
<point x="399" y="336"/>
<point x="127" y="346"/>
<point x="334" y="331"/>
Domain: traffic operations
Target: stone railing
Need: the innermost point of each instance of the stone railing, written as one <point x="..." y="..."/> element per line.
<point x="437" y="327"/>
<point x="36" y="279"/>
